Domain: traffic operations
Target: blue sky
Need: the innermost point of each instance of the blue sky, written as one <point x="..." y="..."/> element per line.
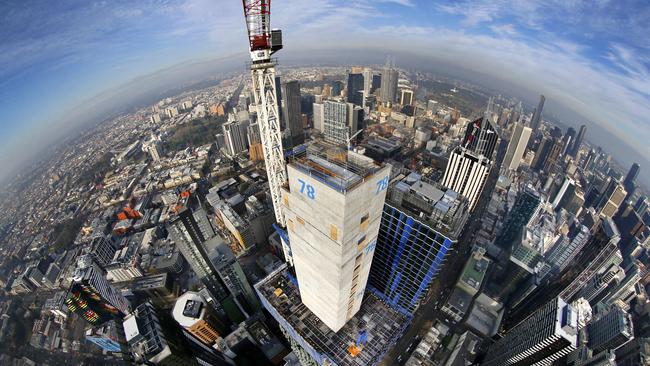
<point x="592" y="57"/>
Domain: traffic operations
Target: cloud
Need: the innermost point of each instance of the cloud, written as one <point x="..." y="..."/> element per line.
<point x="504" y="29"/>
<point x="399" y="2"/>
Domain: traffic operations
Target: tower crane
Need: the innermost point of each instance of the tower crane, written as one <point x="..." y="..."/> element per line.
<point x="264" y="42"/>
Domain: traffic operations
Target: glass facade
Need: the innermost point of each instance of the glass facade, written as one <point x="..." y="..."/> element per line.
<point x="407" y="257"/>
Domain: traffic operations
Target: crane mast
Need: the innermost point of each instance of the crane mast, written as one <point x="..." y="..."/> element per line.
<point x="263" y="43"/>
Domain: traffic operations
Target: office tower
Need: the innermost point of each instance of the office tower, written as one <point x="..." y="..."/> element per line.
<point x="337" y="88"/>
<point x="190" y="230"/>
<point x="333" y="208"/>
<point x="232" y="274"/>
<point x="466" y="174"/>
<point x="564" y="194"/>
<point x="340" y="121"/>
<point x="101" y="250"/>
<point x="596" y="253"/>
<point x="469" y="164"/>
<point x="161" y="289"/>
<point x="154" y="339"/>
<point x="567" y="247"/>
<point x="480" y="137"/>
<point x="292" y="112"/>
<point x="108" y="336"/>
<point x="547" y="335"/>
<point x="552" y="158"/>
<point x="376" y="82"/>
<point x="526" y="206"/>
<point x="577" y="143"/>
<point x="611" y="199"/>
<point x="335" y="120"/>
<point x="641" y="205"/>
<point x="537" y="115"/>
<point x="93" y="298"/>
<point x="421" y="222"/>
<point x="634" y="353"/>
<point x="367" y="82"/>
<point x="568" y="139"/>
<point x="406" y="97"/>
<point x="235" y="132"/>
<point x="192" y="312"/>
<point x="516" y="114"/>
<point x="388" y="91"/>
<point x="319" y="117"/>
<point x="516" y="146"/>
<point x="631" y="176"/>
<point x="611" y="331"/>
<point x="355" y="89"/>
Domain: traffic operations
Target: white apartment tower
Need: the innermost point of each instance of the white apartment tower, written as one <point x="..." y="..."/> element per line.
<point x="516" y="146"/>
<point x="333" y="206"/>
<point x="466" y="174"/>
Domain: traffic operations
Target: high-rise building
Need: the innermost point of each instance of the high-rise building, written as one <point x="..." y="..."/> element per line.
<point x="319" y="117"/>
<point x="355" y="89"/>
<point x="547" y="335"/>
<point x="340" y="121"/>
<point x="568" y="139"/>
<point x="197" y="318"/>
<point x="466" y="173"/>
<point x="190" y="230"/>
<point x="469" y="164"/>
<point x="610" y="331"/>
<point x="631" y="176"/>
<point x="154" y="339"/>
<point x="235" y="132"/>
<point x="367" y="82"/>
<point x="333" y="209"/>
<point x="292" y="112"/>
<point x="420" y="224"/>
<point x="516" y="146"/>
<point x="641" y="205"/>
<point x="567" y="247"/>
<point x="93" y="298"/>
<point x="525" y="207"/>
<point x="232" y="274"/>
<point x="101" y="250"/>
<point x="480" y="137"/>
<point x="537" y="115"/>
<point x="596" y="253"/>
<point x="406" y="97"/>
<point x="388" y="92"/>
<point x="337" y="88"/>
<point x="577" y="143"/>
<point x="611" y="199"/>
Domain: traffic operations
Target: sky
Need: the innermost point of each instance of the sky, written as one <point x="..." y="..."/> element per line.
<point x="61" y="60"/>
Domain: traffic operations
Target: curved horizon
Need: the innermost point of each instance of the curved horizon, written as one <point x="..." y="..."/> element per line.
<point x="590" y="60"/>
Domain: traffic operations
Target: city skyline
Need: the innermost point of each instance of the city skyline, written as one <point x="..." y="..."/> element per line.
<point x="386" y="191"/>
<point x="554" y="55"/>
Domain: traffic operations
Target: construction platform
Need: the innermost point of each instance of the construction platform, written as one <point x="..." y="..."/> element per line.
<point x="383" y="325"/>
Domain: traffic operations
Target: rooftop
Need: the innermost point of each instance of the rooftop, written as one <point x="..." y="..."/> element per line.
<point x="384" y="325"/>
<point x="189" y="307"/>
<point x="338" y="168"/>
<point x="442" y="209"/>
<point x="474" y="271"/>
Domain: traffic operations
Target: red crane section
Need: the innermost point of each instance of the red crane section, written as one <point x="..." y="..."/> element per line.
<point x="258" y="23"/>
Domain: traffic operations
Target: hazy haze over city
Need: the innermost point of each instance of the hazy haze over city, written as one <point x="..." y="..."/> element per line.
<point x="62" y="64"/>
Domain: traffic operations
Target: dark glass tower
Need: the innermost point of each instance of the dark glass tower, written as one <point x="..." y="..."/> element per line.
<point x="355" y="89"/>
<point x="420" y="223"/>
<point x="292" y="112"/>
<point x="537" y="115"/>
